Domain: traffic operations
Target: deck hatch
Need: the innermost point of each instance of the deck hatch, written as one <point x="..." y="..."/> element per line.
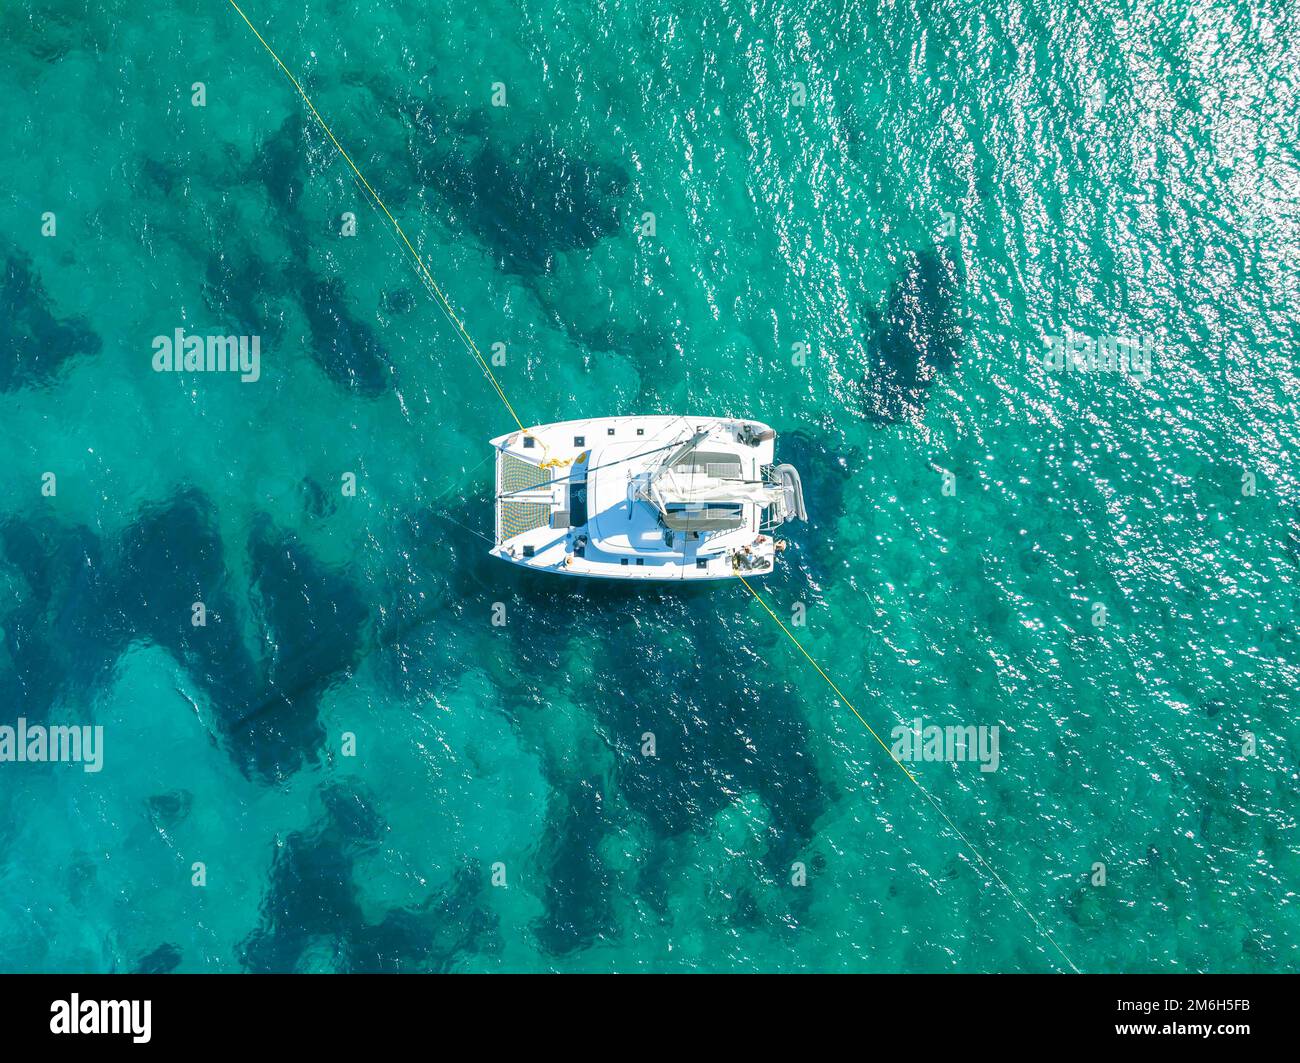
<point x="578" y="504"/>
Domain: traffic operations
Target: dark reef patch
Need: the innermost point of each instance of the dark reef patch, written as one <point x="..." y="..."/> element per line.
<point x="54" y="635"/>
<point x="316" y="501"/>
<point x="87" y="601"/>
<point x="577" y="893"/>
<point x="34" y="341"/>
<point x="160" y="175"/>
<point x="241" y="289"/>
<point x="916" y="337"/>
<point x="280" y="165"/>
<point x="312" y="898"/>
<point x="532" y="202"/>
<point x="48" y="31"/>
<point x="722" y="729"/>
<point x="170" y="558"/>
<point x="315" y="620"/>
<point x="347" y="349"/>
<point x="527" y="201"/>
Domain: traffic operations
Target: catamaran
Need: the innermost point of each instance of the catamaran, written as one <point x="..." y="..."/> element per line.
<point x="649" y="498"/>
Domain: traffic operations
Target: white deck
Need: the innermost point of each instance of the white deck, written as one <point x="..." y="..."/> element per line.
<point x="620" y="538"/>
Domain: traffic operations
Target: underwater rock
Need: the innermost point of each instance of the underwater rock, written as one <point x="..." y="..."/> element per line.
<point x="167" y="810"/>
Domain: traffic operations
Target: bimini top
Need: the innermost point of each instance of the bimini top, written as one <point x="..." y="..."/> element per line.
<point x="703" y="490"/>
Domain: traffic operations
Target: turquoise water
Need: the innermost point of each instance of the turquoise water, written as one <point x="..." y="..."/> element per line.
<point x="922" y="194"/>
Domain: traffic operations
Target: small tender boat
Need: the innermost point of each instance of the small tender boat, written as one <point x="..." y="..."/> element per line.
<point x="648" y="498"/>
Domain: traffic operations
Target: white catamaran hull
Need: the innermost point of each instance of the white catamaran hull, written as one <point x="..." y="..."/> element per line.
<point x="643" y="498"/>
